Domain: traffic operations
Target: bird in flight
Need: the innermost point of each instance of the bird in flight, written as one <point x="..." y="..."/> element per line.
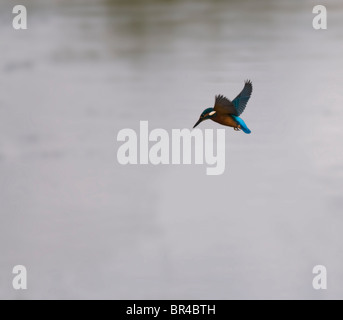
<point x="227" y="112"/>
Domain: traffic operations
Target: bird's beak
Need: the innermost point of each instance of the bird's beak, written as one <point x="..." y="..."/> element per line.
<point x="199" y="121"/>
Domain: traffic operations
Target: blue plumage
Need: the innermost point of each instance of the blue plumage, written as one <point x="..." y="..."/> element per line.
<point x="241" y="122"/>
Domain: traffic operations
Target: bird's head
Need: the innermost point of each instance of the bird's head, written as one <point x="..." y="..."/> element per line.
<point x="207" y="114"/>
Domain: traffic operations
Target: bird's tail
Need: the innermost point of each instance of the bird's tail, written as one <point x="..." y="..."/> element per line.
<point x="244" y="127"/>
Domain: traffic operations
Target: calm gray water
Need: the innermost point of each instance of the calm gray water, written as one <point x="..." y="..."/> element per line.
<point x="87" y="228"/>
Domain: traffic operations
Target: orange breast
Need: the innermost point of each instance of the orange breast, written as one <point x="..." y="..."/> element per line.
<point x="225" y="120"/>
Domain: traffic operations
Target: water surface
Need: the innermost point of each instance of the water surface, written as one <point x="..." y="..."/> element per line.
<point x="86" y="227"/>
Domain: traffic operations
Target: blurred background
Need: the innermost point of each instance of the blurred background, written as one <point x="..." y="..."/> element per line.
<point x="88" y="228"/>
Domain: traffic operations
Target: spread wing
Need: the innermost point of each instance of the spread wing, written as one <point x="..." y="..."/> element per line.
<point x="237" y="106"/>
<point x="240" y="102"/>
<point x="224" y="105"/>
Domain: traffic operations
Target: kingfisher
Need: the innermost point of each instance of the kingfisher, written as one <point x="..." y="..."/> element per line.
<point x="227" y="112"/>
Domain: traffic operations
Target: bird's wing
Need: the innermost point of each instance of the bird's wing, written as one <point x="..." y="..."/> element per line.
<point x="240" y="102"/>
<point x="224" y="105"/>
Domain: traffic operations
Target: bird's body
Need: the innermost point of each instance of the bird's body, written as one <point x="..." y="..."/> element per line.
<point x="225" y="120"/>
<point x="227" y="112"/>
